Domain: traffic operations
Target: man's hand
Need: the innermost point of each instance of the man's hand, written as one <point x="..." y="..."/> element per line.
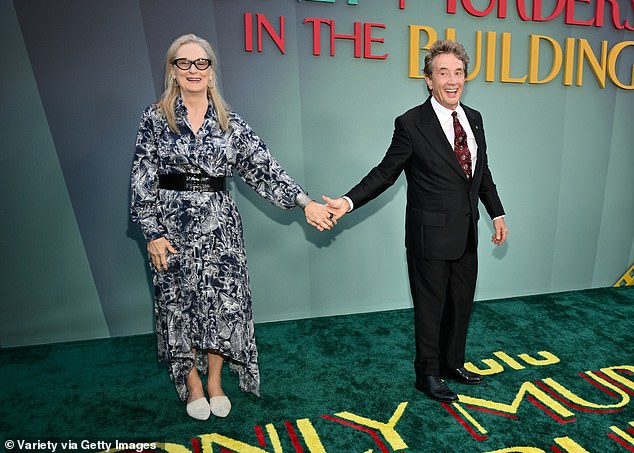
<point x="501" y="231"/>
<point x="338" y="207"/>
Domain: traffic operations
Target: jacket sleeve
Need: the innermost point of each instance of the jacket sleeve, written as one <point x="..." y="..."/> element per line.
<point x="383" y="176"/>
<point x="259" y="169"/>
<point x="143" y="180"/>
<point x="487" y="192"/>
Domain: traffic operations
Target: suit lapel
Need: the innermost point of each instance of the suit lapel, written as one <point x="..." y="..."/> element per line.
<point x="478" y="132"/>
<point x="435" y="136"/>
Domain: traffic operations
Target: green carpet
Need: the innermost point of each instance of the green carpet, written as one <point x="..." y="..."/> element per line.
<point x="345" y="384"/>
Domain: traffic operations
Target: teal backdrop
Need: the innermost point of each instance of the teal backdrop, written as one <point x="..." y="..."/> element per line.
<point x="76" y="75"/>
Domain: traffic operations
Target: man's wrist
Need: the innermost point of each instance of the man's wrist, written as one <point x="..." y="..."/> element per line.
<point x="349" y="203"/>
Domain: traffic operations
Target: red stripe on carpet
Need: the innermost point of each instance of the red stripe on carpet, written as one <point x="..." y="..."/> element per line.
<point x="571" y="404"/>
<point x="293" y="436"/>
<point x="260" y="435"/>
<point x="554" y="416"/>
<point x="618" y="384"/>
<point x="621" y="441"/>
<point x="460" y="420"/>
<point x="371" y="432"/>
<point x="491" y="411"/>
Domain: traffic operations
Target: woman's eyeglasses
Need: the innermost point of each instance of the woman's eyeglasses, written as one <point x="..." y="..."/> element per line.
<point x="185" y="64"/>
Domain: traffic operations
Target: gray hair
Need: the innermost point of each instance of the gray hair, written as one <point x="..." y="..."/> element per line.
<point x="172" y="90"/>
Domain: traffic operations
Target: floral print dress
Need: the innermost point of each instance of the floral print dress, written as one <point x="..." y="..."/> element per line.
<point x="203" y="301"/>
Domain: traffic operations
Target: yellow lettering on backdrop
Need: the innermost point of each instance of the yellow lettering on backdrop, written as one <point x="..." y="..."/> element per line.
<point x="489" y="73"/>
<point x="505" y="69"/>
<point x="614" y="55"/>
<point x="533" y="64"/>
<point x="478" y="57"/>
<point x="415" y="48"/>
<point x="586" y="53"/>
<point x="386" y="429"/>
<point x="570" y="59"/>
<point x="604" y="65"/>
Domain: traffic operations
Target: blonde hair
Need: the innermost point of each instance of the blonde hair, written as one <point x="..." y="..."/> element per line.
<point x="167" y="102"/>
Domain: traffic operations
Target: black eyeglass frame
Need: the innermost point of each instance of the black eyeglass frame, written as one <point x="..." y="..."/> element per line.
<point x="178" y="61"/>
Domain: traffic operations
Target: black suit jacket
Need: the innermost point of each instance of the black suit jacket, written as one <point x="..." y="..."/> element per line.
<point x="442" y="204"/>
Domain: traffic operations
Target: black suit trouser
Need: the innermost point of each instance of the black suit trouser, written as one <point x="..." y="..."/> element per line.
<point x="442" y="293"/>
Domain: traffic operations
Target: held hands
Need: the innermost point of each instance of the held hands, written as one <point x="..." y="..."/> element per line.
<point x="338" y="207"/>
<point x="501" y="231"/>
<point x="157" y="249"/>
<point x="319" y="216"/>
<point x="325" y="216"/>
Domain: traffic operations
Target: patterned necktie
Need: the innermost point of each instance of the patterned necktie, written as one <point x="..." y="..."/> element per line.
<point x="460" y="146"/>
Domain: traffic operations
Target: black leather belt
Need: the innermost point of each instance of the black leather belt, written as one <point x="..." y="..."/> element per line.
<point x="192" y="182"/>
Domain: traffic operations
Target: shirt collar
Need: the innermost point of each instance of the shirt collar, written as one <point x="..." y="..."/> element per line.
<point x="181" y="110"/>
<point x="443" y="113"/>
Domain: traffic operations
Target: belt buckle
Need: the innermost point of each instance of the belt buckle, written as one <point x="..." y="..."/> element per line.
<point x="196" y="183"/>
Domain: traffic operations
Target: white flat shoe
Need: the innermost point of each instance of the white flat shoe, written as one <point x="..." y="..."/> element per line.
<point x="199" y="409"/>
<point x="220" y="406"/>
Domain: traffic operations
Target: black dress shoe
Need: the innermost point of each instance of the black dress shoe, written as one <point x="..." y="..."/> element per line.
<point x="435" y="388"/>
<point x="463" y="376"/>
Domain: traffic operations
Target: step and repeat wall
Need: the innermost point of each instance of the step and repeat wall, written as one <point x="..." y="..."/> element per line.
<point x="321" y="81"/>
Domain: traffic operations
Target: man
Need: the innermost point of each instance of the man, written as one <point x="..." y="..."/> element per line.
<point x="441" y="147"/>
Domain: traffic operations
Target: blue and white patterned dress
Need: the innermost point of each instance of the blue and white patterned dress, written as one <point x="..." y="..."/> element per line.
<point x="203" y="301"/>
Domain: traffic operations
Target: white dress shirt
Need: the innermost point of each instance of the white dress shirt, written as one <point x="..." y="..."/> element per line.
<point x="446" y="122"/>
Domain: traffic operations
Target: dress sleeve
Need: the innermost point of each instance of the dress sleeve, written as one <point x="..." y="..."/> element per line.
<point x="143" y="180"/>
<point x="259" y="169"/>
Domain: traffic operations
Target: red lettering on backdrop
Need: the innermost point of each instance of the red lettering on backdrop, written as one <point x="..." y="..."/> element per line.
<point x="570" y="14"/>
<point x="368" y="40"/>
<point x="316" y="32"/>
<point x="474" y="12"/>
<point x="262" y="23"/>
<point x="521" y="9"/>
<point x="248" y="32"/>
<point x="616" y="15"/>
<point x="356" y="37"/>
<point x="537" y="14"/>
<point x="502" y="8"/>
<point x="537" y="11"/>
<point x="278" y="39"/>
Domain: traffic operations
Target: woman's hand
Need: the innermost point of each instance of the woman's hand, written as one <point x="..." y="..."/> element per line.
<point x="157" y="249"/>
<point x="319" y="216"/>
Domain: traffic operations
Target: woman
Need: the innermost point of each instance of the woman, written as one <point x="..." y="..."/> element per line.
<point x="187" y="144"/>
